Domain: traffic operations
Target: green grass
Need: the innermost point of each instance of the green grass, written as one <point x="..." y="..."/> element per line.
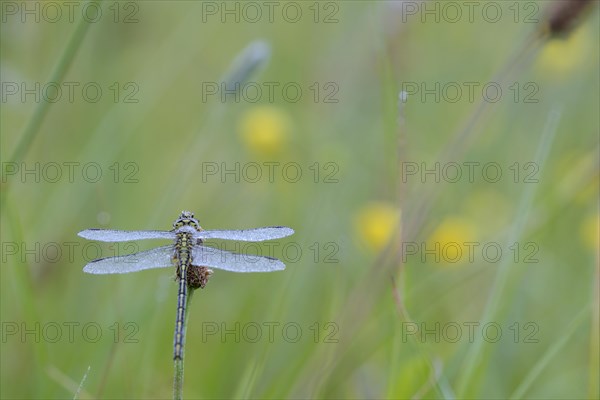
<point x="354" y="341"/>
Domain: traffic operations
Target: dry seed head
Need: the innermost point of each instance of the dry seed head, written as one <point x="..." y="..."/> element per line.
<point x="564" y="15"/>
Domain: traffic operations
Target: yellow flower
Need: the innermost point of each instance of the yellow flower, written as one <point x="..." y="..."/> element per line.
<point x="589" y="232"/>
<point x="561" y="56"/>
<point x="264" y="130"/>
<point x="450" y="237"/>
<point x="376" y="223"/>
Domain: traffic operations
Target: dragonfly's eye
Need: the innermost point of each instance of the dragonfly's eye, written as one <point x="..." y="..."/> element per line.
<point x="186" y="215"/>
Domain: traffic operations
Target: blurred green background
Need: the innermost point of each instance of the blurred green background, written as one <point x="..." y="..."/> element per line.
<point x="156" y="136"/>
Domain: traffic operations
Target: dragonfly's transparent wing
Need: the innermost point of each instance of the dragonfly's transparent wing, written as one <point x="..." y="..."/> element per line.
<point x="160" y="257"/>
<point x="210" y="257"/>
<point x="247" y="235"/>
<point x="109" y="235"/>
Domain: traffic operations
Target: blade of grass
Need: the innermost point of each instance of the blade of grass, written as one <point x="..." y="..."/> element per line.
<point x="498" y="288"/>
<point x="67" y="383"/>
<point x="551" y="352"/>
<point x="32" y="128"/>
<point x="76" y="395"/>
<point x="60" y="70"/>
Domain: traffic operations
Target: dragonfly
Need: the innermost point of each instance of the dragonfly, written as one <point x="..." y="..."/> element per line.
<point x="191" y="258"/>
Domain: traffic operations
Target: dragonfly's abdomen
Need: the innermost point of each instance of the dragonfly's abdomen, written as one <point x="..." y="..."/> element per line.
<point x="183" y="258"/>
<point x="179" y="323"/>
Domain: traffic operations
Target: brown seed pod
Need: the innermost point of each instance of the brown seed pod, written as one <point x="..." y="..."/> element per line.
<point x="564" y="15"/>
<point x="197" y="277"/>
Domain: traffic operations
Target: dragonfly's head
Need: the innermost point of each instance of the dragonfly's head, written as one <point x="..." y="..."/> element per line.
<point x="187" y="219"/>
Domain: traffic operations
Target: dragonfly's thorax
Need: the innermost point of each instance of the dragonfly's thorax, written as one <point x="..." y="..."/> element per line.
<point x="186" y="227"/>
<point x="183" y="251"/>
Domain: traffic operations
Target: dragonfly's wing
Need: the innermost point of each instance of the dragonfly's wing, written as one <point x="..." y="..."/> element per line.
<point x="210" y="257"/>
<point x="109" y="235"/>
<point x="159" y="257"/>
<point x="247" y="235"/>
